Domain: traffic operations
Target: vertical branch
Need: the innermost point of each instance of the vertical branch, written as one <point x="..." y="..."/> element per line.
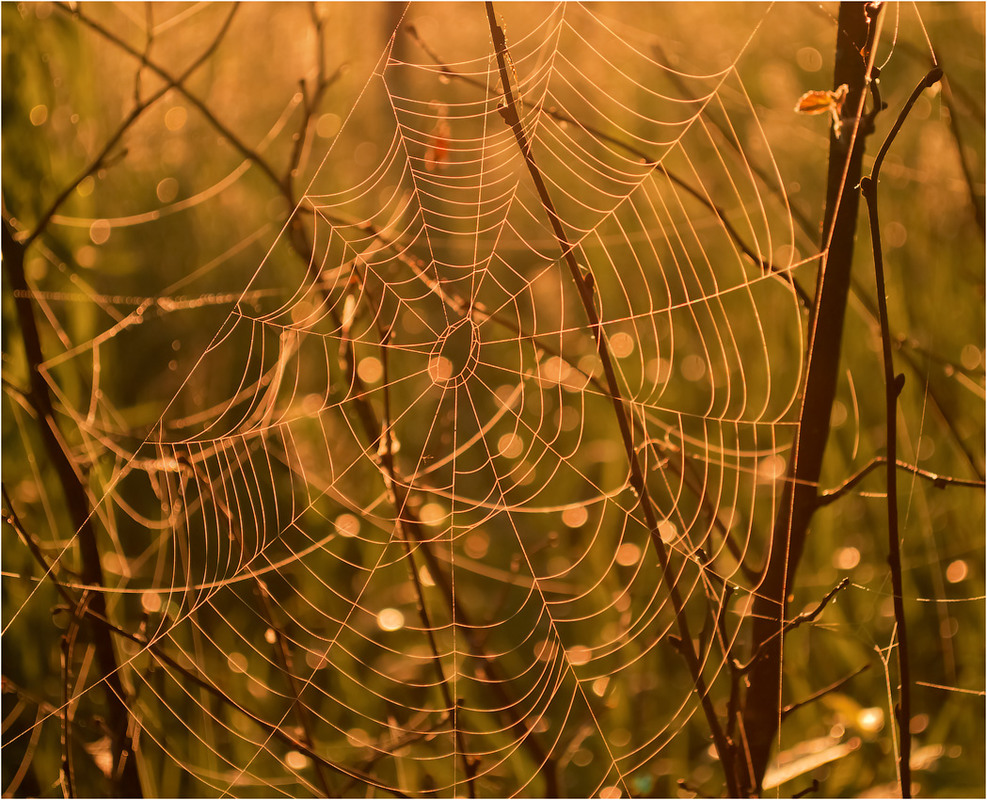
<point x="400" y="493"/>
<point x="892" y="388"/>
<point x="584" y="285"/>
<point x="127" y="783"/>
<point x="856" y="32"/>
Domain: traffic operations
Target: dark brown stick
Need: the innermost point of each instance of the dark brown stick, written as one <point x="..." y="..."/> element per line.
<point x="892" y="388"/>
<point x="939" y="481"/>
<point x="792" y="707"/>
<point x="511" y="116"/>
<point x="128" y="782"/>
<point x="763" y="703"/>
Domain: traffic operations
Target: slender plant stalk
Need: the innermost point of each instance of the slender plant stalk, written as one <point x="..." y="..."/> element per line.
<point x="584" y="285"/>
<point x="282" y="650"/>
<point x="892" y="388"/>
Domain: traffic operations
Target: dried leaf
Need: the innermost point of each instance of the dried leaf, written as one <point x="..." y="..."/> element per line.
<point x="822" y="102"/>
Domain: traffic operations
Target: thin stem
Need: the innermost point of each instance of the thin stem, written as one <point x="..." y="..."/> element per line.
<point x="139" y="108"/>
<point x="939" y="481"/>
<point x="892" y="388"/>
<point x="801" y="619"/>
<point x="933" y="77"/>
<point x="509" y="111"/>
<point x="178" y="84"/>
<point x="283" y="654"/>
<point x="68" y="771"/>
<point x="792" y="707"/>
<point x="386" y="451"/>
<point x="310" y="102"/>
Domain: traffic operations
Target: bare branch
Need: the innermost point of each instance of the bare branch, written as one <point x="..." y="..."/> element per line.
<point x="939" y="481"/>
<point x="801" y="619"/>
<point x="509" y="111"/>
<point x="892" y="387"/>
<point x="792" y="707"/>
<point x="135" y="113"/>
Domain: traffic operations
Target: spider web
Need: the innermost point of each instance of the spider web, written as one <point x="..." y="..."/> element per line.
<point x="398" y="473"/>
<point x="417" y="493"/>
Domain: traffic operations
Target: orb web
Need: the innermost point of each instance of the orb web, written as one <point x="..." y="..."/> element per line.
<point x="417" y="491"/>
<point x="421" y="474"/>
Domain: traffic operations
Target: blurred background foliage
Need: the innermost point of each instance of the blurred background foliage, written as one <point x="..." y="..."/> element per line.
<point x="193" y="196"/>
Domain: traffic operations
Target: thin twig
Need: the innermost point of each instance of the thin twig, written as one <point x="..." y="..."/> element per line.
<point x="801" y="619"/>
<point x="178" y="84"/>
<point x="510" y="113"/>
<point x="283" y="654"/>
<point x="386" y="455"/>
<point x="792" y="707"/>
<point x="893" y="385"/>
<point x="67" y="770"/>
<point x="932" y="77"/>
<point x="135" y="113"/>
<point x="939" y="481"/>
<point x="311" y="101"/>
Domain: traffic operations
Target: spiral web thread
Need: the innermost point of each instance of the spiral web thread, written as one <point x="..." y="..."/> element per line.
<point x="417" y="494"/>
